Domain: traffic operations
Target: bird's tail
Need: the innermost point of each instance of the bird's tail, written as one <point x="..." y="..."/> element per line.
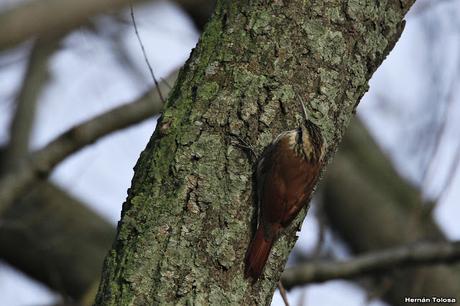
<point x="257" y="255"/>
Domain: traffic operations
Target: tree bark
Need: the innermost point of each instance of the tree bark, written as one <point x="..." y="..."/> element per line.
<point x="186" y="223"/>
<point x="373" y="208"/>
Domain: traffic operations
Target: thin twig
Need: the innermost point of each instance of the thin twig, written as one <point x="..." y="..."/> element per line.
<point x="155" y="81"/>
<point x="302" y="301"/>
<point x="283" y="293"/>
<point x="321" y="217"/>
<point x="376" y="262"/>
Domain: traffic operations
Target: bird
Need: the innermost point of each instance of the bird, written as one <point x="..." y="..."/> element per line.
<point x="287" y="173"/>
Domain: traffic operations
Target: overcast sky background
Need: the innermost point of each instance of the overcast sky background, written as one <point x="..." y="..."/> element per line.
<point x="410" y="95"/>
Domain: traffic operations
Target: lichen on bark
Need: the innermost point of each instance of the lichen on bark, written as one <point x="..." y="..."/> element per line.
<point x="190" y="212"/>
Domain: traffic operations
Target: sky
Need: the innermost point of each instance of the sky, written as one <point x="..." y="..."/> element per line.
<point x="86" y="79"/>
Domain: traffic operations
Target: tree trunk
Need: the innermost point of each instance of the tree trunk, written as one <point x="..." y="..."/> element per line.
<point x="186" y="223"/>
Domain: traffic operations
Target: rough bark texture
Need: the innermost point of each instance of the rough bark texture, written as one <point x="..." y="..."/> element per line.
<point x="187" y="221"/>
<point x="386" y="212"/>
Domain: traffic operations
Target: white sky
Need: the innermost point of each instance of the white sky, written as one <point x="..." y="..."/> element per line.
<point x="86" y="79"/>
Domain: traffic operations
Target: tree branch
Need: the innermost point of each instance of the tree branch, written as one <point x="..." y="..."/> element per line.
<point x="55" y="239"/>
<point x="375" y="262"/>
<point x="48" y="18"/>
<point x="40" y="163"/>
<point x="23" y="118"/>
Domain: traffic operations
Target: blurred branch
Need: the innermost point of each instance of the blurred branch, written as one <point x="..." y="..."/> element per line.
<point x="321" y="218"/>
<point x="40" y="163"/>
<point x="26" y="101"/>
<point x="372" y="263"/>
<point x="55" y="239"/>
<point x="41" y="18"/>
<point x="49" y="17"/>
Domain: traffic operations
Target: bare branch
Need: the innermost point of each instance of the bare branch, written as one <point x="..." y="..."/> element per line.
<point x="40" y="163"/>
<point x="48" y="18"/>
<point x="23" y="118"/>
<point x="376" y="262"/>
<point x="283" y="293"/>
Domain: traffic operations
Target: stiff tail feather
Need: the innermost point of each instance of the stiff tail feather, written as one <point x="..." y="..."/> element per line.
<point x="257" y="255"/>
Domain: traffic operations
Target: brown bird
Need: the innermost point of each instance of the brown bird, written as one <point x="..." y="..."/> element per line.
<point x="286" y="176"/>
